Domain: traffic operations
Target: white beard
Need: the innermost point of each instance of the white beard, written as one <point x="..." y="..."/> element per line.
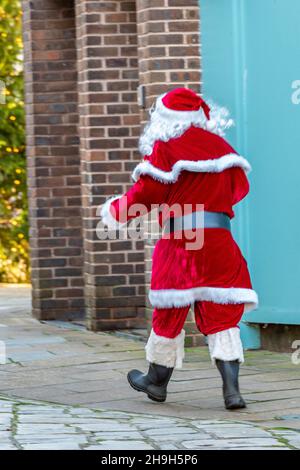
<point x="166" y="124"/>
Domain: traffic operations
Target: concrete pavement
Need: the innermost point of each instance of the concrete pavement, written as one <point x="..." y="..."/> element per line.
<point x="70" y="385"/>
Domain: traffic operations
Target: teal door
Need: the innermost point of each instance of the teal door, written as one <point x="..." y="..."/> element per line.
<point x="250" y="63"/>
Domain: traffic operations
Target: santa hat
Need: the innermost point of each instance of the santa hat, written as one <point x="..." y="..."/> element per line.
<point x="183" y="99"/>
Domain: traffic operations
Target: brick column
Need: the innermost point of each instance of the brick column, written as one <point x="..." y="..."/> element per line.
<point x="109" y="126"/>
<point x="169" y="57"/>
<point x="168" y="45"/>
<point x="53" y="159"/>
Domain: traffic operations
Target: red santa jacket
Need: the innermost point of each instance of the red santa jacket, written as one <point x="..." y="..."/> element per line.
<point x="198" y="167"/>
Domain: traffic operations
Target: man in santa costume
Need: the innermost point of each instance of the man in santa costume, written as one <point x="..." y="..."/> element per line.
<point x="187" y="162"/>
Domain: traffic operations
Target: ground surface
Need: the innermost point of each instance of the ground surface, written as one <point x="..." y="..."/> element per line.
<point x="65" y="387"/>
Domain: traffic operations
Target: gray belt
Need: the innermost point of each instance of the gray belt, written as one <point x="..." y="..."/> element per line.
<point x="201" y="219"/>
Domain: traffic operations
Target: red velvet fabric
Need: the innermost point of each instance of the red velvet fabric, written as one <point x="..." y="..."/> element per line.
<point x="195" y="144"/>
<point x="219" y="263"/>
<point x="210" y="318"/>
<point x="217" y="191"/>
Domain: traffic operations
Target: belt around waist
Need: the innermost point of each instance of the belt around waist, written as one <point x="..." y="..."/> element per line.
<point x="194" y="220"/>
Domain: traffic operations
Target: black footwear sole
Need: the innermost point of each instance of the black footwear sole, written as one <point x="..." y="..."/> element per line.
<point x="235" y="406"/>
<point x="149" y="395"/>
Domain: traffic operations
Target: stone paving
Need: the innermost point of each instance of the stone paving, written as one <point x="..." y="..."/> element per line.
<point x="30" y="425"/>
<point x="65" y="387"/>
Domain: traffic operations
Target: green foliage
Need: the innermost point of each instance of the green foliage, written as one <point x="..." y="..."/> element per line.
<point x="14" y="261"/>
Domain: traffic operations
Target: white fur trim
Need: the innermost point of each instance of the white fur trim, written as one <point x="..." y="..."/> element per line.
<point x="216" y="165"/>
<point x="168" y="298"/>
<point x="226" y="345"/>
<point x="168" y="352"/>
<point x="106" y="215"/>
<point x="166" y="124"/>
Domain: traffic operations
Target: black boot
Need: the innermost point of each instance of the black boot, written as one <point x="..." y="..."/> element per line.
<point x="229" y="371"/>
<point x="154" y="383"/>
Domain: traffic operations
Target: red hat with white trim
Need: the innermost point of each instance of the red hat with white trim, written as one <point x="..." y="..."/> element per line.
<point x="184" y="99"/>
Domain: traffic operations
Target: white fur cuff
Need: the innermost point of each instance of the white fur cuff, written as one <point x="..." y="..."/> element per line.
<point x="106" y="215"/>
<point x="226" y="345"/>
<point x="168" y="352"/>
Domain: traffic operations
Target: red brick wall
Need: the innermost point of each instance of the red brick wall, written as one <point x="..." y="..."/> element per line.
<point x="53" y="159"/>
<point x="109" y="127"/>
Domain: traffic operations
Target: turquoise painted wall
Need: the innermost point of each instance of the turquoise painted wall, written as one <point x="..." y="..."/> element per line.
<point x="250" y="63"/>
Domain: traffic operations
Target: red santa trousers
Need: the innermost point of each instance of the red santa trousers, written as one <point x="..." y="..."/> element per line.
<point x="219" y="322"/>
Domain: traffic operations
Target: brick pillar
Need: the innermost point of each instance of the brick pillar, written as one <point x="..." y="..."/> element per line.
<point x="169" y="57"/>
<point x="53" y="159"/>
<point x="168" y="45"/>
<point x="109" y="126"/>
